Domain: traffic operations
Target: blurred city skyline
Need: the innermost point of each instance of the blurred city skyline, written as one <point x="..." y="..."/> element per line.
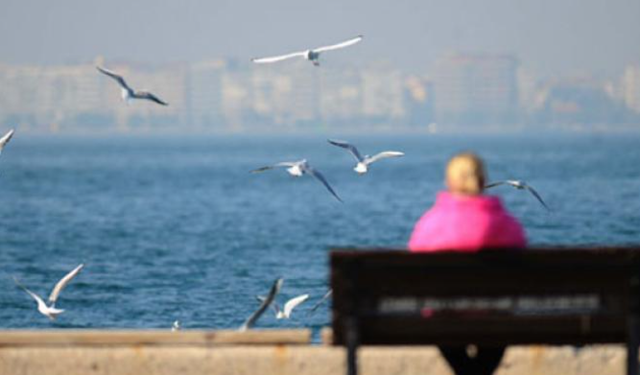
<point x="553" y="37"/>
<point x="463" y="92"/>
<point x="495" y="65"/>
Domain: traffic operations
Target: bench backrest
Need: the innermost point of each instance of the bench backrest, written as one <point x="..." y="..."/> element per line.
<point x="534" y="296"/>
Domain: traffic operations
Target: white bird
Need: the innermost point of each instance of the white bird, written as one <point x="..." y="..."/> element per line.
<point x="319" y="303"/>
<point x="5" y="139"/>
<point x="285" y="313"/>
<point x="275" y="289"/>
<point x="363" y="163"/>
<point x="312" y="55"/>
<point x="299" y="168"/>
<point x="51" y="311"/>
<point x="128" y="93"/>
<point x="520" y="185"/>
<point x="176" y="326"/>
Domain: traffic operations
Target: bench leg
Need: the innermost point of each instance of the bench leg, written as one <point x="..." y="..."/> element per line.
<point x="633" y="342"/>
<point x="485" y="363"/>
<point x="352" y="346"/>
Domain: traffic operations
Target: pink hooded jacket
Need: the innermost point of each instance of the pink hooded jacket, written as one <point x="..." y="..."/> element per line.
<point x="466" y="224"/>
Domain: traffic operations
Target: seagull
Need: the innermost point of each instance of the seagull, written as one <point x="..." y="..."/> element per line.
<point x="291" y="304"/>
<point x="363" y="163"/>
<point x="176" y="326"/>
<point x="311" y="54"/>
<point x="299" y="168"/>
<point x="128" y="93"/>
<point x="520" y="185"/>
<point x="51" y="311"/>
<point x="324" y="298"/>
<point x="275" y="289"/>
<point x="5" y="139"/>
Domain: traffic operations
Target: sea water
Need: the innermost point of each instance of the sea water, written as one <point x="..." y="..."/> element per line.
<point x="176" y="228"/>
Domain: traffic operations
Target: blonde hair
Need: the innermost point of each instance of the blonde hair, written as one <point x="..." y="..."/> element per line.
<point x="465" y="174"/>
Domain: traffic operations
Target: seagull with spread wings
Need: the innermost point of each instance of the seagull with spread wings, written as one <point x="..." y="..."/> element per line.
<point x="520" y="185"/>
<point x="299" y="168"/>
<point x="273" y="292"/>
<point x="312" y="55"/>
<point x="51" y="311"/>
<point x="363" y="163"/>
<point x="128" y="93"/>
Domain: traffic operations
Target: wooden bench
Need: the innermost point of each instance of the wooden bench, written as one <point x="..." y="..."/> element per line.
<point x="491" y="299"/>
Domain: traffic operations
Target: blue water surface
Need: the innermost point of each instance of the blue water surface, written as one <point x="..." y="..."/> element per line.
<point x="176" y="228"/>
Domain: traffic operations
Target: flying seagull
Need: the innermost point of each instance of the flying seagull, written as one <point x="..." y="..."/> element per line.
<point x="299" y="168"/>
<point x="312" y="55"/>
<point x="275" y="289"/>
<point x="128" y="93"/>
<point x="5" y="139"/>
<point x="285" y="313"/>
<point x="319" y="303"/>
<point x="51" y="311"/>
<point x="520" y="185"/>
<point x="363" y="163"/>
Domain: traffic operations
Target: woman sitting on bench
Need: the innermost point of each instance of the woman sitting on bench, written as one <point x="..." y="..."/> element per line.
<point x="462" y="218"/>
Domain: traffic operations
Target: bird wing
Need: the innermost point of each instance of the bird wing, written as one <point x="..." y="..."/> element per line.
<point x="538" y="197"/>
<point x="275" y="306"/>
<point x="275" y="288"/>
<point x="497" y="183"/>
<point x="348" y="146"/>
<point x="321" y="178"/>
<point x="293" y="302"/>
<point x="324" y="298"/>
<point x="149" y="96"/>
<point x="115" y="76"/>
<point x="5" y="139"/>
<point x="32" y="294"/>
<point x="268" y="167"/>
<point x="339" y="45"/>
<point x="63" y="283"/>
<point x="272" y="59"/>
<point x="383" y="155"/>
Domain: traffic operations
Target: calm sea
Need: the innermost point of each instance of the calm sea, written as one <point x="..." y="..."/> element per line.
<point x="176" y="228"/>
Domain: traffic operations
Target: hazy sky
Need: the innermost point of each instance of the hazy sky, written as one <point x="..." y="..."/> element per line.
<point x="549" y="36"/>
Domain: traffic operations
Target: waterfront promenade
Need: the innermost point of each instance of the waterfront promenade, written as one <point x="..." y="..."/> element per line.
<point x="268" y="352"/>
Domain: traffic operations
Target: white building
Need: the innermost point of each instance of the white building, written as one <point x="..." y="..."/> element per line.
<point x="382" y="92"/>
<point x="204" y="90"/>
<point x="631" y="87"/>
<point x="476" y="89"/>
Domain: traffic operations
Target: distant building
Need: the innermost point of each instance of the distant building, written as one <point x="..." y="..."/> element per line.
<point x="382" y="93"/>
<point x="530" y="97"/>
<point x="419" y="99"/>
<point x="579" y="103"/>
<point x="285" y="95"/>
<point x="476" y="90"/>
<point x="204" y="95"/>
<point x="52" y="97"/>
<point x="341" y="96"/>
<point x="631" y="87"/>
<point x="238" y="97"/>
